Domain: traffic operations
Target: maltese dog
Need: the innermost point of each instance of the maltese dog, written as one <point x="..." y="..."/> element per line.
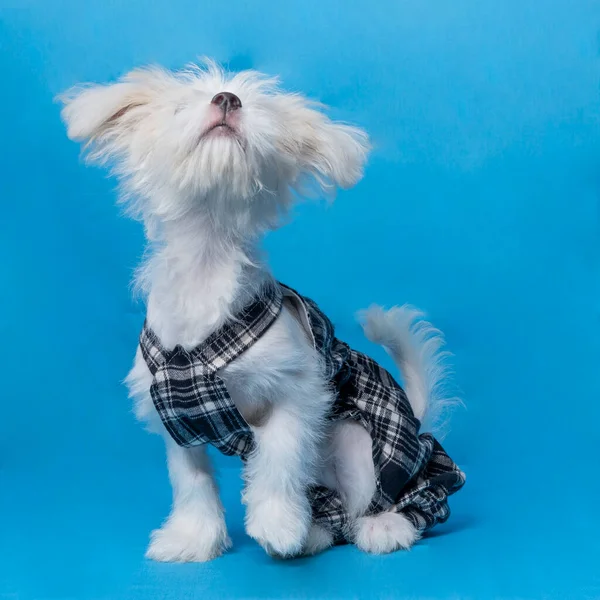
<point x="334" y="451"/>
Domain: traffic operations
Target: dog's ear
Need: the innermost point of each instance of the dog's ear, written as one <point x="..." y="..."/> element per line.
<point x="95" y="113"/>
<point x="333" y="153"/>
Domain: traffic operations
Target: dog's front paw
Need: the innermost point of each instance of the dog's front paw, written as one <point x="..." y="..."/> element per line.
<point x="280" y="526"/>
<point x="385" y="532"/>
<point x="186" y="539"/>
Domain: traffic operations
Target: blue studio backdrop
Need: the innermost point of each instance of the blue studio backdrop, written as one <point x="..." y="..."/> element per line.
<point x="479" y="205"/>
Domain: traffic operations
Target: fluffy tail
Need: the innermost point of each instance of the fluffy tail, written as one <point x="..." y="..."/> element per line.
<point x="416" y="347"/>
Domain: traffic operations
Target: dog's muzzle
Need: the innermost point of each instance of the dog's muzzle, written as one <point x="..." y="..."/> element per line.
<point x="226" y="101"/>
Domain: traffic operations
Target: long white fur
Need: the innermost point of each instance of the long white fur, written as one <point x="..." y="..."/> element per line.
<point x="416" y="347"/>
<point x="206" y="200"/>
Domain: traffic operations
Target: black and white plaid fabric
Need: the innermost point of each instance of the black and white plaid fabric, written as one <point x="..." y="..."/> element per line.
<point x="415" y="475"/>
<point x="188" y="393"/>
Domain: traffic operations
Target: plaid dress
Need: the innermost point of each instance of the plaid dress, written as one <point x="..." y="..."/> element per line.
<point x="415" y="476"/>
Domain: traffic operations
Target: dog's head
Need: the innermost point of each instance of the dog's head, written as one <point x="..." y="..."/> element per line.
<point x="202" y="139"/>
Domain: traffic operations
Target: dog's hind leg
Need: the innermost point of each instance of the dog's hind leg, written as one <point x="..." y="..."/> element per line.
<point x="352" y="472"/>
<point x="350" y="466"/>
<point x="318" y="540"/>
<point x="384" y="532"/>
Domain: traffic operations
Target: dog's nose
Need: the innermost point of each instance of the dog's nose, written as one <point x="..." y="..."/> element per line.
<point x="227" y="101"/>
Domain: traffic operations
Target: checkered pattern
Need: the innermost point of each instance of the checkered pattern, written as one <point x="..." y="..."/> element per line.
<point x="415" y="475"/>
<point x="188" y="393"/>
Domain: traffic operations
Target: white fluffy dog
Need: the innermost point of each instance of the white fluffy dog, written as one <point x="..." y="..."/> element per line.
<point x="209" y="162"/>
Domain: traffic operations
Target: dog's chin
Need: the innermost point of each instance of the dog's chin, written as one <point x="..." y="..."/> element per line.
<point x="220" y="165"/>
<point x="221" y="130"/>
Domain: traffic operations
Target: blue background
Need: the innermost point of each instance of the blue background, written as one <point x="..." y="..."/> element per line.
<point x="480" y="205"/>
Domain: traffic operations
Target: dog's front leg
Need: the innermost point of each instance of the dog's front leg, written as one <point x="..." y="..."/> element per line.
<point x="280" y="470"/>
<point x="195" y="530"/>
